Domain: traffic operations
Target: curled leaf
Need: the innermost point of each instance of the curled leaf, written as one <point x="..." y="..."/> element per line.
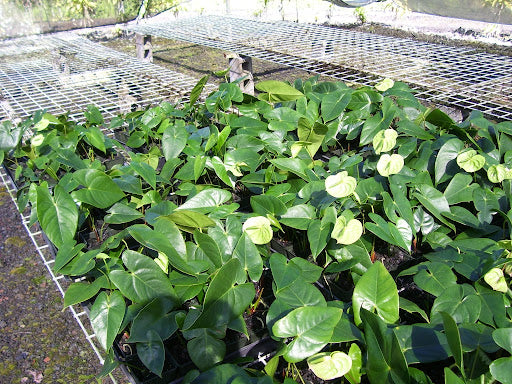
<point x="258" y="229"/>
<point x="470" y="161"/>
<point x="390" y="164"/>
<point x="384" y="140"/>
<point x="329" y="366"/>
<point x="340" y="185"/>
<point x="496" y="280"/>
<point x="347" y="232"/>
<point x="497" y="173"/>
<point x="37" y="140"/>
<point x="384" y="85"/>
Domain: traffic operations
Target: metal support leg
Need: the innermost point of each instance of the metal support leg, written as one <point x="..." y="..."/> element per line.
<point x="144" y="47"/>
<point x="240" y="69"/>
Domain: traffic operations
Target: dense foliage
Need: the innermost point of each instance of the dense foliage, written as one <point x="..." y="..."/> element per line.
<point x="371" y="234"/>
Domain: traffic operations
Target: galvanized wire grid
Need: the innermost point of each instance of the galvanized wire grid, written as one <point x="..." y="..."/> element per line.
<point x="459" y="76"/>
<point x="65" y="72"/>
<point x="47" y="255"/>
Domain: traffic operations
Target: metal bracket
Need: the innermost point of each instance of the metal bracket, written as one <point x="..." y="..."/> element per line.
<point x="240" y="69"/>
<point x="144" y="47"/>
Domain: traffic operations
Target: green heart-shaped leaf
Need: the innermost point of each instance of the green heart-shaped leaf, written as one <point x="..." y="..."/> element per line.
<point x="384" y="85"/>
<point x="340" y="185"/>
<point x="347" y="232"/>
<point x="470" y="160"/>
<point x="384" y="140"/>
<point x="258" y="229"/>
<point x="311" y="328"/>
<point x="57" y="214"/>
<point x="329" y="366"/>
<point x="496" y="280"/>
<point x="106" y="316"/>
<point x="390" y="164"/>
<point x="497" y="173"/>
<point x="376" y="290"/>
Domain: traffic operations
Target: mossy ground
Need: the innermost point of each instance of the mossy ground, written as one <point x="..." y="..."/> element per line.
<point x="39" y="341"/>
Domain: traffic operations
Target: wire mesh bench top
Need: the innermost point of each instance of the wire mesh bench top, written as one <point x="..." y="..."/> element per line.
<point x="463" y="77"/>
<point x="65" y="72"/>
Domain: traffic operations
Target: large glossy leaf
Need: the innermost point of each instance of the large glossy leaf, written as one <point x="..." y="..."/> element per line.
<point x="96" y="138"/>
<point x="190" y="220"/>
<point x="198" y="89"/>
<point x="312" y="134"/>
<point x="460" y="303"/>
<point x="99" y="189"/>
<point x="453" y="337"/>
<point x="225" y="301"/>
<point x="503" y="337"/>
<point x="267" y="204"/>
<point x="421" y="343"/>
<point x="277" y="91"/>
<point x="378" y="122"/>
<point x="296" y="166"/>
<point x="334" y="104"/>
<point x="354" y="375"/>
<point x="501" y="368"/>
<point x="286" y="272"/>
<point x="376" y="291"/>
<point x="298" y="216"/>
<point x="121" y="213"/>
<point x="80" y="291"/>
<point x="209" y="247"/>
<point x="386" y="361"/>
<point x="159" y="242"/>
<point x="249" y="257"/>
<point x="152" y="353"/>
<point x="144" y="279"/>
<point x="460" y="189"/>
<point x="229" y="373"/>
<point x="145" y="171"/>
<point x="435" y="202"/>
<point x="311" y="329"/>
<point x="206" y="200"/>
<point x="174" y="140"/>
<point x="57" y="214"/>
<point x="436" y="278"/>
<point x="445" y="165"/>
<point x="10" y="135"/>
<point x="205" y="350"/>
<point x="106" y="316"/>
<point x="318" y="236"/>
<point x="153" y="319"/>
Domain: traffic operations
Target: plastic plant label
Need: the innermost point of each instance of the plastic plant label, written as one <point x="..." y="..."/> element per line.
<point x="347" y="232"/>
<point x="384" y="85"/>
<point x="340" y="185"/>
<point x="329" y="366"/>
<point x="258" y="229"/>
<point x="390" y="164"/>
<point x="470" y="161"/>
<point x="384" y="140"/>
<point x="496" y="280"/>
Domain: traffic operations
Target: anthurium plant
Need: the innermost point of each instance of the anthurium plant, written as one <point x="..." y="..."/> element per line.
<point x="370" y="235"/>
